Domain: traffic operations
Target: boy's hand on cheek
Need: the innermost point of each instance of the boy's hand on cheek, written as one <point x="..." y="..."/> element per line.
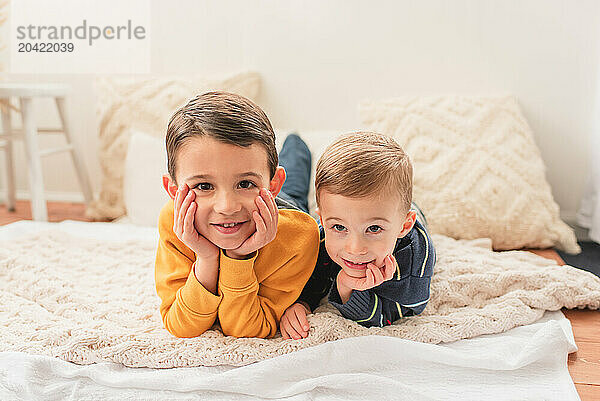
<point x="266" y="218"/>
<point x="374" y="276"/>
<point x="183" y="225"/>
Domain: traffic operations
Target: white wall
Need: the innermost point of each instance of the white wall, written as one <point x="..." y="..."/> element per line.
<point x="318" y="59"/>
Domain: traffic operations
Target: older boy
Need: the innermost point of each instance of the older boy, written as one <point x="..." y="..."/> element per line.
<point x="376" y="258"/>
<point x="229" y="250"/>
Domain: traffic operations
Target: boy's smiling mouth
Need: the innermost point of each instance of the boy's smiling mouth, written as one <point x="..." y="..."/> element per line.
<point x="228" y="227"/>
<point x="357" y="266"/>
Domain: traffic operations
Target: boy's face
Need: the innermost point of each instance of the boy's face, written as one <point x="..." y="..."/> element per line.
<point x="226" y="179"/>
<point x="359" y="231"/>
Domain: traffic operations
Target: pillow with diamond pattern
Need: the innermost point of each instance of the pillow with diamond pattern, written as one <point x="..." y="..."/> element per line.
<point x="477" y="170"/>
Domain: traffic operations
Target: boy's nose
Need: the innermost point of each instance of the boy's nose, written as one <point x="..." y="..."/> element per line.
<point x="355" y="247"/>
<point x="227" y="204"/>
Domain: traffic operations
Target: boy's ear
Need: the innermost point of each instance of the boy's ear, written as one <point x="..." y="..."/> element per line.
<point x="169" y="185"/>
<point x="277" y="181"/>
<point x="408" y="224"/>
<point x="318" y="212"/>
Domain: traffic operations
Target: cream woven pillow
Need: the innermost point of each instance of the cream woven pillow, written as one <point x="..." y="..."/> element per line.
<point x="146" y="105"/>
<point x="477" y="170"/>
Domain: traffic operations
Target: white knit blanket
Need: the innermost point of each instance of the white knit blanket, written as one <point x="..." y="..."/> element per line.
<point x="85" y="301"/>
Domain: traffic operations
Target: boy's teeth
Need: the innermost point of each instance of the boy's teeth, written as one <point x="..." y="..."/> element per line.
<point x="228" y="224"/>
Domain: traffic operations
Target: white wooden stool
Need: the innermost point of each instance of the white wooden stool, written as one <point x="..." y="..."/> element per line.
<point x="26" y="93"/>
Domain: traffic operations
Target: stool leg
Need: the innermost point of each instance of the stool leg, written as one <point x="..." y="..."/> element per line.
<point x="75" y="152"/>
<point x="36" y="179"/>
<point x="10" y="172"/>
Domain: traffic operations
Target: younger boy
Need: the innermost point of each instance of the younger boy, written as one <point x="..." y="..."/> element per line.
<point x="376" y="258"/>
<point x="229" y="250"/>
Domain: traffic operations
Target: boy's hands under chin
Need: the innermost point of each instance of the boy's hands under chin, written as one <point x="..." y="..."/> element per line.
<point x="265" y="218"/>
<point x="206" y="267"/>
<point x="374" y="276"/>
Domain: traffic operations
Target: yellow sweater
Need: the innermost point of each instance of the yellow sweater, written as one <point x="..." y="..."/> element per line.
<point x="253" y="293"/>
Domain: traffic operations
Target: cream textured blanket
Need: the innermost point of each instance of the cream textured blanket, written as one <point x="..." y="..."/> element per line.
<point x="86" y="301"/>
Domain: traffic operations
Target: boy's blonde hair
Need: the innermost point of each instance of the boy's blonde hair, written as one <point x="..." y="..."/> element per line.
<point x="362" y="164"/>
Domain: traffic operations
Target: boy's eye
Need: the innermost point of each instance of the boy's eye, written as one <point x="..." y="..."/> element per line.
<point x="338" y="227"/>
<point x="245" y="184"/>
<point x="374" y="229"/>
<point x="204" y="186"/>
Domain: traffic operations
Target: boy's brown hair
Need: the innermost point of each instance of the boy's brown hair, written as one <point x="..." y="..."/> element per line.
<point x="363" y="164"/>
<point x="223" y="116"/>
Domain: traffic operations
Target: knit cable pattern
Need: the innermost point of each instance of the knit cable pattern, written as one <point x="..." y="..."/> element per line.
<point x="88" y="301"/>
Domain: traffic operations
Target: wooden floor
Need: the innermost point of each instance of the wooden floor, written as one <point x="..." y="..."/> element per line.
<point x="57" y="211"/>
<point x="584" y="365"/>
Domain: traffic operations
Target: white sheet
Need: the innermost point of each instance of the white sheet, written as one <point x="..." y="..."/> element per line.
<point x="527" y="362"/>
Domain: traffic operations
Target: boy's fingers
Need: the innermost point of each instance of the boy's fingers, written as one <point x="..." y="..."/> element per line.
<point x="290" y="330"/>
<point x="390" y="267"/>
<point x="295" y="323"/>
<point x="275" y="211"/>
<point x="284" y="333"/>
<point x="184" y="206"/>
<point x="264" y="211"/>
<point x="181" y="192"/>
<point x="261" y="227"/>
<point x="250" y="244"/>
<point x="370" y="278"/>
<point x="355" y="283"/>
<point x="176" y="209"/>
<point x="270" y="201"/>
<point x="377" y="274"/>
<point x="177" y="199"/>
<point x="189" y="218"/>
<point x="301" y="316"/>
<point x="269" y="213"/>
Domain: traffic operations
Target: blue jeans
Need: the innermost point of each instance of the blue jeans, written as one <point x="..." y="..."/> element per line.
<point x="295" y="157"/>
